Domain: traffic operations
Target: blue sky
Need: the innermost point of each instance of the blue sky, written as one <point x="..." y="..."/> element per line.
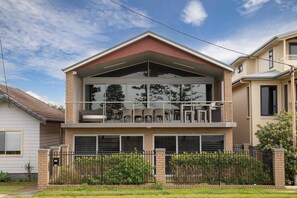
<point x="41" y="37"/>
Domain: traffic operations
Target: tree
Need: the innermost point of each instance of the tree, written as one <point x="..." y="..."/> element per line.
<point x="114" y="93"/>
<point x="279" y="134"/>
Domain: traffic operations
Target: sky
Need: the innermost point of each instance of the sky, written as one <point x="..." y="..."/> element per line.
<point x="41" y="37"/>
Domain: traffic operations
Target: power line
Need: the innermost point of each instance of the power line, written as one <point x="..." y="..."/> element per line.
<point x="4" y="73"/>
<point x="191" y="36"/>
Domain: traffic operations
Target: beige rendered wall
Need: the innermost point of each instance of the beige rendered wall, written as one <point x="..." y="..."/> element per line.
<point x="241" y="133"/>
<point x="148" y="134"/>
<point x="255" y="96"/>
<point x="278" y="56"/>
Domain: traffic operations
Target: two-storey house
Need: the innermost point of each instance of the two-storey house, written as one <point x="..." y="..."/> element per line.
<point x="146" y="93"/>
<point x="262" y="85"/>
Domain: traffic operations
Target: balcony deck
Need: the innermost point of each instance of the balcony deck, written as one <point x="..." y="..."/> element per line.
<point x="207" y="114"/>
<point x="151" y="125"/>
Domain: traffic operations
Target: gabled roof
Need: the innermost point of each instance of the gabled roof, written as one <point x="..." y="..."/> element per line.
<point x="31" y="105"/>
<point x="156" y="36"/>
<point x="267" y="75"/>
<point x="270" y="41"/>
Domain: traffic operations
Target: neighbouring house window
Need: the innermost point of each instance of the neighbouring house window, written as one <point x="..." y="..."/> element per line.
<point x="286" y="97"/>
<point x="10" y="143"/>
<point x="212" y="143"/>
<point x="293" y="51"/>
<point x="240" y="68"/>
<point x="270" y="57"/>
<point x="268" y="100"/>
<point x="131" y="143"/>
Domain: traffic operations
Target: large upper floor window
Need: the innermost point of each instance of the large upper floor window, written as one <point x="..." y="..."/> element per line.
<point x="293" y="51"/>
<point x="122" y="95"/>
<point x="270" y="57"/>
<point x="10" y="142"/>
<point x="268" y="100"/>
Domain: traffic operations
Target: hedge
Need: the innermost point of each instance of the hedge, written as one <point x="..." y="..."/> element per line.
<point x="210" y="168"/>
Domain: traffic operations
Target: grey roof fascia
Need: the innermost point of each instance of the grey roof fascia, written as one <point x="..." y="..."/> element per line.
<point x="149" y="33"/>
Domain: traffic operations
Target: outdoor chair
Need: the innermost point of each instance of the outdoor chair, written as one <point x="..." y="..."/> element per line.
<point x="138" y="113"/>
<point x="127" y="115"/>
<point x="159" y="114"/>
<point x="148" y="113"/>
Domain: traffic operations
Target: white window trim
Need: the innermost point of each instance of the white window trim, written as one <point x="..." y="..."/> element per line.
<point x="119" y="135"/>
<point x="21" y="146"/>
<point x="176" y="139"/>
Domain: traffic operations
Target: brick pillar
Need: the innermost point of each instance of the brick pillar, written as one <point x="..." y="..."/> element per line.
<point x="160" y="165"/>
<point x="65" y="154"/>
<point x="228" y="114"/>
<point x="279" y="167"/>
<point x="246" y="147"/>
<point x="43" y="168"/>
<point x="55" y="150"/>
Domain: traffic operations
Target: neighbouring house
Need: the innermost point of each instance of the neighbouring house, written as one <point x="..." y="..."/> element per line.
<point x="148" y="92"/>
<point x="26" y="124"/>
<point x="262" y="88"/>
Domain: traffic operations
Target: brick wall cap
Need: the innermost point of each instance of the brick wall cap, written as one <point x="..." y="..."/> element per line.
<point x="43" y="150"/>
<point x="246" y="144"/>
<point x="160" y="150"/>
<point x="278" y="150"/>
<point x="54" y="147"/>
<point x="64" y="145"/>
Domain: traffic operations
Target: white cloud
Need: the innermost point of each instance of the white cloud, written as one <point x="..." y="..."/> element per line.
<point x="250" y="6"/>
<point x="247" y="39"/>
<point x="194" y="13"/>
<point x="42" y="98"/>
<point x="38" y="35"/>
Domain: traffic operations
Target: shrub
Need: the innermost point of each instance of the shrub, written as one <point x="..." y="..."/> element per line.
<point x="206" y="167"/>
<point x="129" y="168"/>
<point x="274" y="135"/>
<point x="4" y="177"/>
<point x="28" y="167"/>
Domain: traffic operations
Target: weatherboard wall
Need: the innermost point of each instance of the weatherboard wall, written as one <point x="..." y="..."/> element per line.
<point x="16" y="119"/>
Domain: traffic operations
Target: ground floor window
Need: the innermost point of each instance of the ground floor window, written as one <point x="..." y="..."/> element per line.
<point x="189" y="143"/>
<point x="108" y="143"/>
<point x="10" y="142"/>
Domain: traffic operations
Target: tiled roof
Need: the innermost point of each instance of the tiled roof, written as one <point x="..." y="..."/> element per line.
<point x="32" y="105"/>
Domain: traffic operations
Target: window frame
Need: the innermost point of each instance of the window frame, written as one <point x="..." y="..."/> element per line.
<point x="290" y="51"/>
<point x="21" y="143"/>
<point x="270" y="58"/>
<point x="200" y="139"/>
<point x="261" y="98"/>
<point x="240" y="69"/>
<point x="120" y="139"/>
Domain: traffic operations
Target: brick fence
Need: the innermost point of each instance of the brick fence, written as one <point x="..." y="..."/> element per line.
<point x="278" y="165"/>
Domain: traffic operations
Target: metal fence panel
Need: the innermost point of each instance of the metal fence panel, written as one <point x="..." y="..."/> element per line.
<point x="101" y="168"/>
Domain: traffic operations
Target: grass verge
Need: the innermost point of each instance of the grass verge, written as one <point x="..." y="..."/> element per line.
<point x="156" y="193"/>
